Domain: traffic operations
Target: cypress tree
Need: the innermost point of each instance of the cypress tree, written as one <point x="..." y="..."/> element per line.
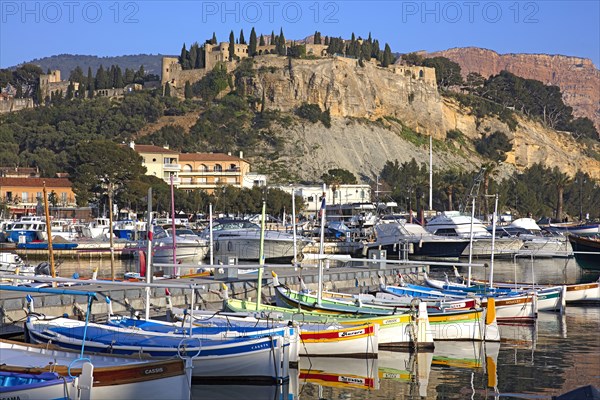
<point x="38" y="94"/>
<point x="261" y="42"/>
<point x="281" y="45"/>
<point x="188" y="90"/>
<point x="193" y="55"/>
<point x="70" y="90"/>
<point x="242" y="39"/>
<point x="119" y="83"/>
<point x="252" y="45"/>
<point x="183" y="57"/>
<point x="129" y="76"/>
<point x="214" y="39"/>
<point x="76" y="75"/>
<point x="326" y="40"/>
<point x="387" y="56"/>
<point x="200" y="62"/>
<point x="317" y="38"/>
<point x="231" y="46"/>
<point x="272" y="42"/>
<point x="100" y="78"/>
<point x="90" y="83"/>
<point x="19" y="93"/>
<point x="167" y="90"/>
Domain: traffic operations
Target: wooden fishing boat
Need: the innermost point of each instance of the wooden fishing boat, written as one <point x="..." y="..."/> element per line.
<point x="316" y="339"/>
<point x="548" y="298"/>
<point x="48" y="385"/>
<point x="445" y="325"/>
<point x="586" y="250"/>
<point x="114" y="377"/>
<point x="507" y="308"/>
<point x="575" y="292"/>
<point x="255" y="359"/>
<point x="395" y="331"/>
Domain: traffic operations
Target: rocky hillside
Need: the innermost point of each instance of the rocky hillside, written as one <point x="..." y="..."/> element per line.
<point x="578" y="78"/>
<point x="369" y="105"/>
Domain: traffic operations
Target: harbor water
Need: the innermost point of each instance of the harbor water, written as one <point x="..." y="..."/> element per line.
<point x="556" y="354"/>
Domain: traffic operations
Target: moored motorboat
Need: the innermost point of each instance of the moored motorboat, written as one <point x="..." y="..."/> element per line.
<point x="586" y="250"/>
<point x="242" y="239"/>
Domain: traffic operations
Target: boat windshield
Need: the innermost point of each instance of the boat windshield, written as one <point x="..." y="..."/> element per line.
<point x="230" y="225"/>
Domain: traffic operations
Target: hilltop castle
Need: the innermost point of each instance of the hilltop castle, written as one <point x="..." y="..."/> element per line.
<point x="176" y="77"/>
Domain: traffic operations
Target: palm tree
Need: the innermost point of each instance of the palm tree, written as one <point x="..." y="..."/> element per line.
<point x="560" y="180"/>
<point x="491" y="169"/>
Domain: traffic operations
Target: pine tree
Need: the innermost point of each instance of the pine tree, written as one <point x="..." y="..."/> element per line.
<point x="252" y="45"/>
<point x="261" y="42"/>
<point x="242" y="39"/>
<point x="214" y="39"/>
<point x="187" y="92"/>
<point x="231" y="46"/>
<point x="387" y="56"/>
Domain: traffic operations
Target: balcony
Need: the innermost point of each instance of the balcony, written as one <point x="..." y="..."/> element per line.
<point x="225" y="172"/>
<point x="171" y="167"/>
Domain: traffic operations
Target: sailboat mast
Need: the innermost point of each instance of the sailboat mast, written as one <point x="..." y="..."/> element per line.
<point x="49" y="233"/>
<point x="176" y="270"/>
<point x="322" y="246"/>
<point x="494" y="218"/>
<point x="431" y="172"/>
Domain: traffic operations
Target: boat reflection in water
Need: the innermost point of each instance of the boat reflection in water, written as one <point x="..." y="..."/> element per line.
<point x="335" y="372"/>
<point x="411" y="370"/>
<point x="464" y="361"/>
<point x="239" y="392"/>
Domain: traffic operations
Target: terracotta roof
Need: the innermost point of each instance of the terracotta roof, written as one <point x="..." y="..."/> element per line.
<point x="207" y="157"/>
<point x="148" y="148"/>
<point x="36" y="182"/>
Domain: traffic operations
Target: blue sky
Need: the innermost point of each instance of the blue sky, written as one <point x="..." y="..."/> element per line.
<point x="35" y="29"/>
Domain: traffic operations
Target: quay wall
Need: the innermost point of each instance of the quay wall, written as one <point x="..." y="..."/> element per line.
<point x="127" y="301"/>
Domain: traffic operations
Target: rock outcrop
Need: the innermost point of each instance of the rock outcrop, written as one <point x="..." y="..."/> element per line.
<point x="578" y="78"/>
<point x="367" y="104"/>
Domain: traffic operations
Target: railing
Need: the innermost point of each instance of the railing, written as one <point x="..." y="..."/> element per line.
<point x="171" y="167"/>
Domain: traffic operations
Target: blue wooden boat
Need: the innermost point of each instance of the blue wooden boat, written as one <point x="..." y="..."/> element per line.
<point x="44" y="246"/>
<point x="47" y="385"/>
<point x="263" y="359"/>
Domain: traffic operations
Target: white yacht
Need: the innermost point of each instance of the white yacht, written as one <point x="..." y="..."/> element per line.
<point x="241" y="239"/>
<point x="452" y="223"/>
